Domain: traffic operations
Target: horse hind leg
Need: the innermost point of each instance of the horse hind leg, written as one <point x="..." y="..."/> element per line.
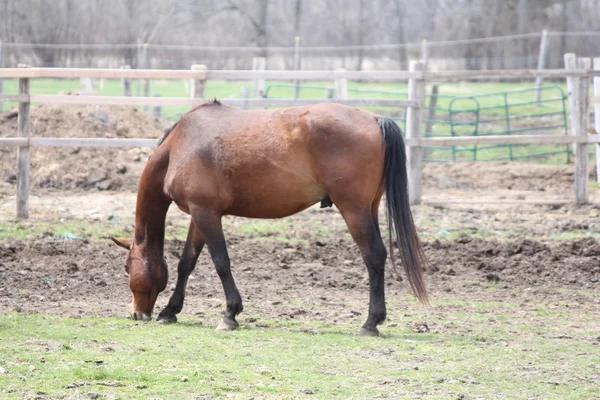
<point x="191" y="251"/>
<point x="365" y="232"/>
<point x="209" y="225"/>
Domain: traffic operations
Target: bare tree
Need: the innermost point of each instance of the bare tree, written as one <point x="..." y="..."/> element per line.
<point x="264" y="23"/>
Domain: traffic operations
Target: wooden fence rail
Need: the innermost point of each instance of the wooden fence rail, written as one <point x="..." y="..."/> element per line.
<point x="578" y="73"/>
<point x="410" y="142"/>
<point x="245" y="75"/>
<point x="193" y="102"/>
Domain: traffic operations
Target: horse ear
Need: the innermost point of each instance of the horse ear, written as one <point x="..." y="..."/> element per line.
<point x="124" y="243"/>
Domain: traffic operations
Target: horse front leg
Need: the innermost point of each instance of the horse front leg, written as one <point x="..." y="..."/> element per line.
<point x="193" y="246"/>
<point x="209" y="224"/>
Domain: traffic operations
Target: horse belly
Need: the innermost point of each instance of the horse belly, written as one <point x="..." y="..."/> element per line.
<point x="277" y="193"/>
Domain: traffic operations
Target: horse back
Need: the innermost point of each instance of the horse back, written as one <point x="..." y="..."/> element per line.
<point x="268" y="163"/>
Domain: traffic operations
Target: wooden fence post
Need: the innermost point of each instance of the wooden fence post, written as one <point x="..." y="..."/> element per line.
<point x="414" y="130"/>
<point x="244" y="95"/>
<point x="23" y="161"/>
<point x="541" y="65"/>
<point x="597" y="115"/>
<point x="297" y="66"/>
<point x="425" y="53"/>
<point x="578" y="91"/>
<point x="126" y="83"/>
<point x="432" y="99"/>
<point x="197" y="86"/>
<point x="341" y="87"/>
<point x="259" y="64"/>
<point x="139" y="65"/>
<point x="431" y="115"/>
<point x="582" y="154"/>
<point x="157" y="110"/>
<point x="1" y="80"/>
<point x="571" y="64"/>
<point x="145" y="65"/>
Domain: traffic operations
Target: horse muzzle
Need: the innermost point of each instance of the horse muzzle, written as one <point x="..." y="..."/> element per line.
<point x="141" y="316"/>
<point x="141" y="306"/>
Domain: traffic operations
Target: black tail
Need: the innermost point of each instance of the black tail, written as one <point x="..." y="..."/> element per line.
<point x="398" y="207"/>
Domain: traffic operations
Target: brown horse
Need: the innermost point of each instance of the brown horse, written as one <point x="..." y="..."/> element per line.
<point x="219" y="160"/>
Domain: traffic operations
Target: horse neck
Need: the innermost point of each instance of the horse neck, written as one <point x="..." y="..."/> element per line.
<point x="152" y="204"/>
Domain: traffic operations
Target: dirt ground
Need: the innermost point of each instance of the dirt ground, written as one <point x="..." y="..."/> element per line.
<point x="82" y="277"/>
<point x="479" y="228"/>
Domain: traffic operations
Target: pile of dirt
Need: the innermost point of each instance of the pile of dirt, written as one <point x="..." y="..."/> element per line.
<point x="86" y="168"/>
<point x="521" y="262"/>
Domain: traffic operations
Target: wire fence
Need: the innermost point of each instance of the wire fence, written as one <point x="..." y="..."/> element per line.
<point x="499" y="52"/>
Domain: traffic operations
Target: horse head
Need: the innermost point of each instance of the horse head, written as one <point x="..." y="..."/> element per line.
<point x="148" y="277"/>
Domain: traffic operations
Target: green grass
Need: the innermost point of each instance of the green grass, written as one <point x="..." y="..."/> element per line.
<point x="504" y="352"/>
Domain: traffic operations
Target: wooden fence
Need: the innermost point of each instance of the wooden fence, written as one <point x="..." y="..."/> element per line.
<point x="578" y="73"/>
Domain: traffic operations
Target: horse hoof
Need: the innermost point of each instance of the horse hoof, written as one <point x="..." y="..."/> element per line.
<point x="166" y="319"/>
<point x="368" y="332"/>
<point x="227" y="325"/>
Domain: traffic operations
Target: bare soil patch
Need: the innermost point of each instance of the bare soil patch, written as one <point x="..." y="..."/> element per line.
<point x="84" y="278"/>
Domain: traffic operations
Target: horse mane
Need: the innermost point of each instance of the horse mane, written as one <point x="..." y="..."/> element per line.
<point x="167" y="132"/>
<point x="214" y="102"/>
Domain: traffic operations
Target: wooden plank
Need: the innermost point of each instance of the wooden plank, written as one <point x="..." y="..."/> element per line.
<point x="444" y="76"/>
<point x="77" y="142"/>
<point x="92" y="142"/>
<point x="597" y="114"/>
<point x="23" y="156"/>
<point x="539" y="81"/>
<point x="434" y="201"/>
<point x="410" y="142"/>
<point x="370" y="76"/>
<point x="126" y="83"/>
<point x="341" y="87"/>
<point x="273" y="102"/>
<point x="581" y="149"/>
<point x="197" y="86"/>
<point x="414" y="130"/>
<point x="13" y="142"/>
<point x="296" y="65"/>
<point x="1" y="81"/>
<point x="97" y="73"/>
<point x="259" y="64"/>
<point x="425" y="53"/>
<point x="116" y="100"/>
<point x="501" y="140"/>
<point x="432" y="108"/>
<point x="570" y="64"/>
<point x="187" y="102"/>
<point x="17" y="98"/>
